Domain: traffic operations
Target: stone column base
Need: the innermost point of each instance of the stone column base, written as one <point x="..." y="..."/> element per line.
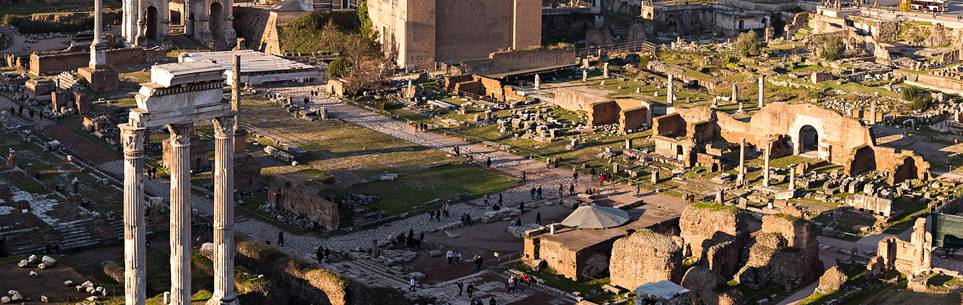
<point x="216" y="301"/>
<point x="100" y="80"/>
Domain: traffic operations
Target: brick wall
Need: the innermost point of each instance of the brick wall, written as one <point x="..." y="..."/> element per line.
<point x="53" y="63"/>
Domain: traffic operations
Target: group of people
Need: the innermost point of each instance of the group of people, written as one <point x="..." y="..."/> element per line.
<point x="470" y="290"/>
<point x="408" y="241"/>
<point x="466" y="220"/>
<point x="438" y="213"/>
<point x="511" y="285"/>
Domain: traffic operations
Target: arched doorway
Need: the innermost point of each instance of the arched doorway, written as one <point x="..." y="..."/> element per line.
<point x="151" y="31"/>
<point x="808" y="141"/>
<point x="217" y="23"/>
<point x="906" y="170"/>
<point x="864" y="160"/>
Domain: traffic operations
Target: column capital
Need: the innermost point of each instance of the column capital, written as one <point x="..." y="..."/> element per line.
<point x="133" y="140"/>
<point x="180" y="134"/>
<point x="224" y="127"/>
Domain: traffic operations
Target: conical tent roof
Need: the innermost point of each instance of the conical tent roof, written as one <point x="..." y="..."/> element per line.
<point x="596" y="217"/>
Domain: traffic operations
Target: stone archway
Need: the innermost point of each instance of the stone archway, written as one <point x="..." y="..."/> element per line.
<point x="864" y="160"/>
<point x="216" y="23"/>
<point x="807" y="141"/>
<point x="152" y="24"/>
<point x="907" y="169"/>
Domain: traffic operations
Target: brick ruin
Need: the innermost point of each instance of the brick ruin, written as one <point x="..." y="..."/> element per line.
<point x="791" y="129"/>
<point x="48" y="63"/>
<point x="304" y="200"/>
<point x="629" y="114"/>
<point x="910" y="258"/>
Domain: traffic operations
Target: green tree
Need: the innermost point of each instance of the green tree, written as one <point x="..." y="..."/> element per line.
<point x="833" y="48"/>
<point x="748" y="44"/>
<point x="367" y="27"/>
<point x="339" y="67"/>
<point x="919" y="98"/>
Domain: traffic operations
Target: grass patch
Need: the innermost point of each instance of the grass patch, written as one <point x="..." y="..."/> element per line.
<point x="446" y="182"/>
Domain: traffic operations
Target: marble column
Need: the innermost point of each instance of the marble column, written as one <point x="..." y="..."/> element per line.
<point x="180" y="214"/>
<point x="135" y="233"/>
<point x="762" y="91"/>
<point x="538" y="82"/>
<point x="765" y="173"/>
<point x="98" y="49"/>
<point x="223" y="212"/>
<point x="735" y="93"/>
<point x="236" y="86"/>
<point x="741" y="178"/>
<point x="605" y="70"/>
<point x="872" y="113"/>
<point x="670" y="94"/>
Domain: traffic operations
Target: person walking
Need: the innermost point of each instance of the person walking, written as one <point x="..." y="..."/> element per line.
<point x="488" y="162"/>
<point x="538" y="192"/>
<point x="320" y="254"/>
<point x="538" y="218"/>
<point x="461" y="286"/>
<point x="280" y="238"/>
<point x="412" y="284"/>
<point x="532" y="192"/>
<point x="469" y="290"/>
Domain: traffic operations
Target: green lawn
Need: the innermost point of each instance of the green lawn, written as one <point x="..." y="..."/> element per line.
<point x="445" y="182"/>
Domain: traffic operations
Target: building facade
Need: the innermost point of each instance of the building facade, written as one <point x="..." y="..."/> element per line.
<point x="419" y="33"/>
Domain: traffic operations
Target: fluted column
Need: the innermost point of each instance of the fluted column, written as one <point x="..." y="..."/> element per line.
<point x="135" y="234"/>
<point x="223" y="212"/>
<point x="180" y="217"/>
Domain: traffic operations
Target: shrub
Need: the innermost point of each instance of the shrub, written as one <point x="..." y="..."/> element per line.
<point x="833" y="48"/>
<point x="27" y="25"/>
<point x="748" y="44"/>
<point x="919" y="98"/>
<point x="339" y="68"/>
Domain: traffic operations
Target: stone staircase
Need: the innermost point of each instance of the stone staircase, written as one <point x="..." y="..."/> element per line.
<point x="76" y="234"/>
<point x="66" y="80"/>
<point x="372" y="274"/>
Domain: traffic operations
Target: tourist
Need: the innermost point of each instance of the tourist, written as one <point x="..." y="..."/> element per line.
<point x="538" y="218"/>
<point x="491" y="300"/>
<point x="477" y="262"/>
<point x="575" y="176"/>
<point x="515" y="280"/>
<point x="638" y="189"/>
<point x="280" y="238"/>
<point x="532" y="192"/>
<point x="521" y="207"/>
<point x="489" y="162"/>
<point x="499" y="198"/>
<point x="561" y="190"/>
<point x="320" y="254"/>
<point x="412" y="283"/>
<point x="524" y="279"/>
<point x="469" y="290"/>
<point x="539" y="192"/>
<point x="496" y="207"/>
<point x="451" y="256"/>
<point x="571" y="189"/>
<point x="460" y="287"/>
<point x="556" y="162"/>
<point x="524" y="176"/>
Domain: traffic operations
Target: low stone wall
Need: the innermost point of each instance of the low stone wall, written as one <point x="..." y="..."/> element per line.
<point x="520" y="60"/>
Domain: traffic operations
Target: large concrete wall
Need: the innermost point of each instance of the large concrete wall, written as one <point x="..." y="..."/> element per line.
<point x="422" y="32"/>
<point x="471" y="29"/>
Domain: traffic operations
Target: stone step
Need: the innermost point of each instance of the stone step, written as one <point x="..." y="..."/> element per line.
<point x="368" y="269"/>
